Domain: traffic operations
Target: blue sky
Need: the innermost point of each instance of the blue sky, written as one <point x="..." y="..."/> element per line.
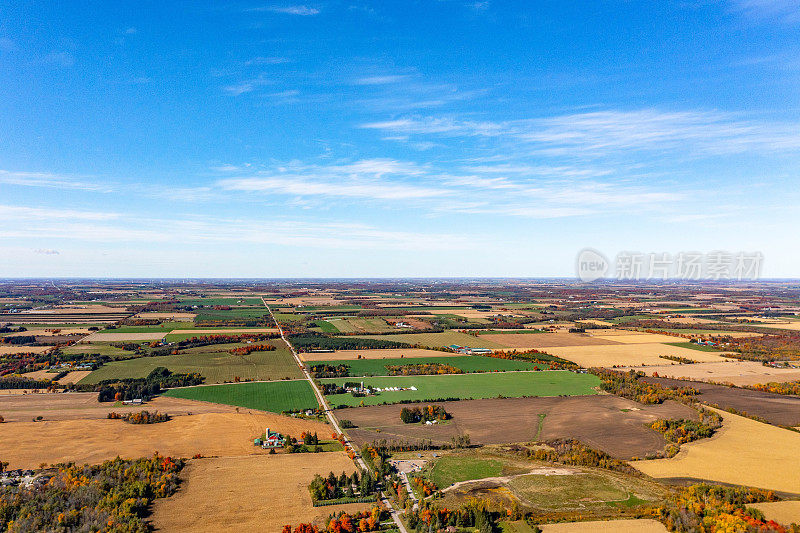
<point x="415" y="138"/>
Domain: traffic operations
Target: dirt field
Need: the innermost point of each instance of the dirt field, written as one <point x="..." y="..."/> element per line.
<point x="775" y="408"/>
<point x="785" y="512"/>
<point x="27" y="444"/>
<point x="597" y="420"/>
<point x="540" y="340"/>
<point x="627" y="354"/>
<point x="736" y="372"/>
<point x="606" y="526"/>
<point x="743" y="452"/>
<point x="84" y="405"/>
<point x="259" y="493"/>
<point x="6" y="349"/>
<point x="632" y="337"/>
<point x="72" y="377"/>
<point x="345" y="355"/>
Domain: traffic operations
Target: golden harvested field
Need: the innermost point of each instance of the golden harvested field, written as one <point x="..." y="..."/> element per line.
<point x="627" y="354"/>
<point x="74" y="377"/>
<point x="793" y="325"/>
<point x="635" y="337"/>
<point x="743" y="452"/>
<point x="27" y="444"/>
<point x="257" y="493"/>
<point x="737" y="372"/>
<point x="18" y="407"/>
<point x="389" y="353"/>
<point x="607" y="526"/>
<point x="9" y="349"/>
<point x="109" y="337"/>
<point x="786" y="512"/>
<point x="539" y="340"/>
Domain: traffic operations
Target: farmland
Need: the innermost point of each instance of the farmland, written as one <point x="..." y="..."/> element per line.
<point x="471" y="386"/>
<point x="438" y="339"/>
<point x="274" y="396"/>
<point x="744" y="452"/>
<point x="544" y="442"/>
<point x="215" y="363"/>
<point x="241" y="483"/>
<point x="466" y="363"/>
<point x="595" y="420"/>
<point x="28" y="444"/>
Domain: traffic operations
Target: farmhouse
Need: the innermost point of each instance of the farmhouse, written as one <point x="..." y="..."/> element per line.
<point x="469" y="351"/>
<point x="272" y="439"/>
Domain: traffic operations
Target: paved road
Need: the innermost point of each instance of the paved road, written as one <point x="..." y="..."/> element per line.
<point x="332" y="419"/>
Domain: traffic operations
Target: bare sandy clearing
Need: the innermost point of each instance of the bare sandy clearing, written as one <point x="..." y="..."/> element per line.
<point x="389" y="353"/>
<point x="627" y="354"/>
<point x="6" y="349"/>
<point x="75" y="405"/>
<point x="27" y="444"/>
<point x="73" y="377"/>
<point x="258" y="493"/>
<point x="538" y="340"/>
<point x="786" y="512"/>
<point x="737" y="372"/>
<point x="608" y="526"/>
<point x="631" y="337"/>
<point x="743" y="452"/>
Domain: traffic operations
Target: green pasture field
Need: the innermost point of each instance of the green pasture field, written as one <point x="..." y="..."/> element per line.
<point x="451" y="469"/>
<point x="215" y="363"/>
<point x="323" y="308"/>
<point x="177" y="337"/>
<point x="445" y="338"/>
<point x="694" y="346"/>
<point x="363" y="325"/>
<point x="236" y="312"/>
<point x="288" y="317"/>
<point x="470" y="386"/>
<point x="164" y="327"/>
<point x="222" y="301"/>
<point x="274" y="396"/>
<point x="326" y="327"/>
<point x="467" y="363"/>
<point x="101" y="348"/>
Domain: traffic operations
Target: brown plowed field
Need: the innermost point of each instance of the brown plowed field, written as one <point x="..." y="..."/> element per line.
<point x="599" y="421"/>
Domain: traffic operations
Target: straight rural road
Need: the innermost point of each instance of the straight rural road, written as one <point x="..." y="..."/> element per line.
<point x="332" y="419"/>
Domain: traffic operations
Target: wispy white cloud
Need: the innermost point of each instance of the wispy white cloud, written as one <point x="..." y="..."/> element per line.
<point x="300" y="10"/>
<point x="604" y="132"/>
<point x="271" y="60"/>
<point x="787" y="11"/>
<point x="52" y="181"/>
<point x="17" y="212"/>
<point x="381" y="80"/>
